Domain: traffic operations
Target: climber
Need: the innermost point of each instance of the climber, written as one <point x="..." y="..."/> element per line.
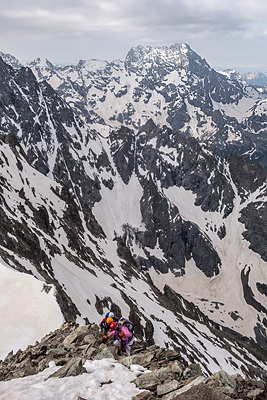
<point x="105" y="323"/>
<point x="123" y="338"/>
<point x="109" y="314"/>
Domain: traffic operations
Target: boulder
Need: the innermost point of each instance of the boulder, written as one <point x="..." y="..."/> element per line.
<point x="201" y="392"/>
<point x="255" y="394"/>
<point x="167" y="387"/>
<point x="185" y="388"/>
<point x="225" y="379"/>
<point x="105" y="353"/>
<point x="145" y="395"/>
<point x="148" y="381"/>
<point x="176" y="367"/>
<point x="73" y="368"/>
<point x="71" y="338"/>
<point x="143" y="359"/>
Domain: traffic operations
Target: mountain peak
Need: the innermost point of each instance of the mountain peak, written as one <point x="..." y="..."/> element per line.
<point x="42" y="62"/>
<point x="11" y="60"/>
<point x="178" y="56"/>
<point x="255" y="78"/>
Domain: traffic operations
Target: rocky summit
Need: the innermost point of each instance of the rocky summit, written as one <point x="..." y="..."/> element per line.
<point x="165" y="374"/>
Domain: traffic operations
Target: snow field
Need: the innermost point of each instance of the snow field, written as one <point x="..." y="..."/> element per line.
<point x="91" y="385"/>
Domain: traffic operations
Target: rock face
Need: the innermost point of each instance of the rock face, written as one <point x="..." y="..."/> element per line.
<point x="167" y="376"/>
<point x="36" y="114"/>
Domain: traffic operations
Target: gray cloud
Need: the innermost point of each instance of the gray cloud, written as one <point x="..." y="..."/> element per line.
<point x="71" y="30"/>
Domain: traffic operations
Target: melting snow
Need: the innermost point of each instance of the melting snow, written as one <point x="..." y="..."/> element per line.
<point x="91" y="385"/>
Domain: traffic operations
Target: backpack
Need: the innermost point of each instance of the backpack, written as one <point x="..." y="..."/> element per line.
<point x="128" y="324"/>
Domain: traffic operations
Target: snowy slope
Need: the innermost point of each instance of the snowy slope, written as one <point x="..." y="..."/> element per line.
<point x="91" y="273"/>
<point x="222" y="301"/>
<point x="28" y="310"/>
<point x="212" y="274"/>
<point x="87" y="385"/>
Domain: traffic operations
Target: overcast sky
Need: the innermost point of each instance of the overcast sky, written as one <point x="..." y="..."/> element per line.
<point x="227" y="33"/>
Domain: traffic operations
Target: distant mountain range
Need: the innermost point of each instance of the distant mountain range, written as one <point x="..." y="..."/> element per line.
<point x="173" y="86"/>
<point x="113" y="191"/>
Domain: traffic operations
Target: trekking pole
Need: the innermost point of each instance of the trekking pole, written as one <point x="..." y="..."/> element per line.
<point x="119" y="349"/>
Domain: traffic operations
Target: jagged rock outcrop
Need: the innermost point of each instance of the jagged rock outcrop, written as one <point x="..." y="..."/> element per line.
<point x="168" y="376"/>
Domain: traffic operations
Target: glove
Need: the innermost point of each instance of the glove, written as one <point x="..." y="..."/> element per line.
<point x="121" y="335"/>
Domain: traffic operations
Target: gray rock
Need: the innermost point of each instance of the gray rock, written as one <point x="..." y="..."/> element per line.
<point x="105" y="353"/>
<point x="56" y="353"/>
<point x="73" y="368"/>
<point x="167" y="387"/>
<point x="225" y="379"/>
<point x="148" y="381"/>
<point x="227" y="390"/>
<point x="145" y="395"/>
<point x="91" y="352"/>
<point x="187" y="373"/>
<point x="140" y="359"/>
<point x="176" y="368"/>
<point x="195" y="382"/>
<point x="89" y="339"/>
<point x="255" y="393"/>
<point x="201" y="392"/>
<point x="163" y="373"/>
<point x="71" y="338"/>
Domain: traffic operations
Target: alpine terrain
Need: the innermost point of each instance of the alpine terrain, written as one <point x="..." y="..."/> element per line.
<point x="174" y="86"/>
<point x="113" y="198"/>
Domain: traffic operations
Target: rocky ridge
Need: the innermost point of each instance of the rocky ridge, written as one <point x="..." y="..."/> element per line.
<point x="167" y="377"/>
